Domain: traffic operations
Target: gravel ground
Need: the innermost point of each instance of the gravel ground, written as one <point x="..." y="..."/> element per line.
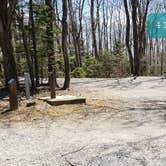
<point x="123" y="124"/>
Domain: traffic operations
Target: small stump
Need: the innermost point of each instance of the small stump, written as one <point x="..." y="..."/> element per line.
<point x="61" y="100"/>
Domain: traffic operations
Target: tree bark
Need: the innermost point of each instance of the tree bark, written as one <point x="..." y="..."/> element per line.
<point x="7" y="10"/>
<point x="93" y="28"/>
<point x="33" y="33"/>
<point x="128" y="37"/>
<point x="64" y="45"/>
<point x="134" y="4"/>
<point x="50" y="39"/>
<point x="75" y="34"/>
<point x="98" y="26"/>
<point x="26" y="49"/>
<point x="141" y="29"/>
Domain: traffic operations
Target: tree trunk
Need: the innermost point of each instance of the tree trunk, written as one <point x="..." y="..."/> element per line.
<point x="6" y="17"/>
<point x="98" y="26"/>
<point x="50" y="39"/>
<point x="128" y="37"/>
<point x="31" y="18"/>
<point x="75" y="34"/>
<point x="9" y="63"/>
<point x="93" y="27"/>
<point x="64" y="45"/>
<point x="141" y="29"/>
<point x="26" y="49"/>
<point x="80" y="33"/>
<point x="134" y="4"/>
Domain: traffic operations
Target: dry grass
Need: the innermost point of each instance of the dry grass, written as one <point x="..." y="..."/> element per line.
<point x="42" y="110"/>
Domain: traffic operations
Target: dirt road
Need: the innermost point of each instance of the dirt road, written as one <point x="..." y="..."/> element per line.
<point x="123" y="124"/>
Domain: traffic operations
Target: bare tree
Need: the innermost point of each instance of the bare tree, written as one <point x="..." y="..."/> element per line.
<point x="139" y="15"/>
<point x="93" y="27"/>
<point x="75" y="34"/>
<point x="128" y="37"/>
<point x="98" y="3"/>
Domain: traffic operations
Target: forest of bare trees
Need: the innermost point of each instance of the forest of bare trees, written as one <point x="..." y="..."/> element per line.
<point x="78" y="38"/>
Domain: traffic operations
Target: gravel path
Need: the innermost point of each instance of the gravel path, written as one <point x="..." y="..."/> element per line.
<point x="123" y="124"/>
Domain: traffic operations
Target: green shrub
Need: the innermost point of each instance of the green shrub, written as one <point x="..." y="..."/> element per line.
<point x="115" y="64"/>
<point x="78" y="73"/>
<point x="155" y="70"/>
<point x="107" y="65"/>
<point x="72" y="62"/>
<point x="92" y="67"/>
<point x="125" y="66"/>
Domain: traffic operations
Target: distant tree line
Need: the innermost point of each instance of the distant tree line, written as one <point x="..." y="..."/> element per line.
<point x="78" y="38"/>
